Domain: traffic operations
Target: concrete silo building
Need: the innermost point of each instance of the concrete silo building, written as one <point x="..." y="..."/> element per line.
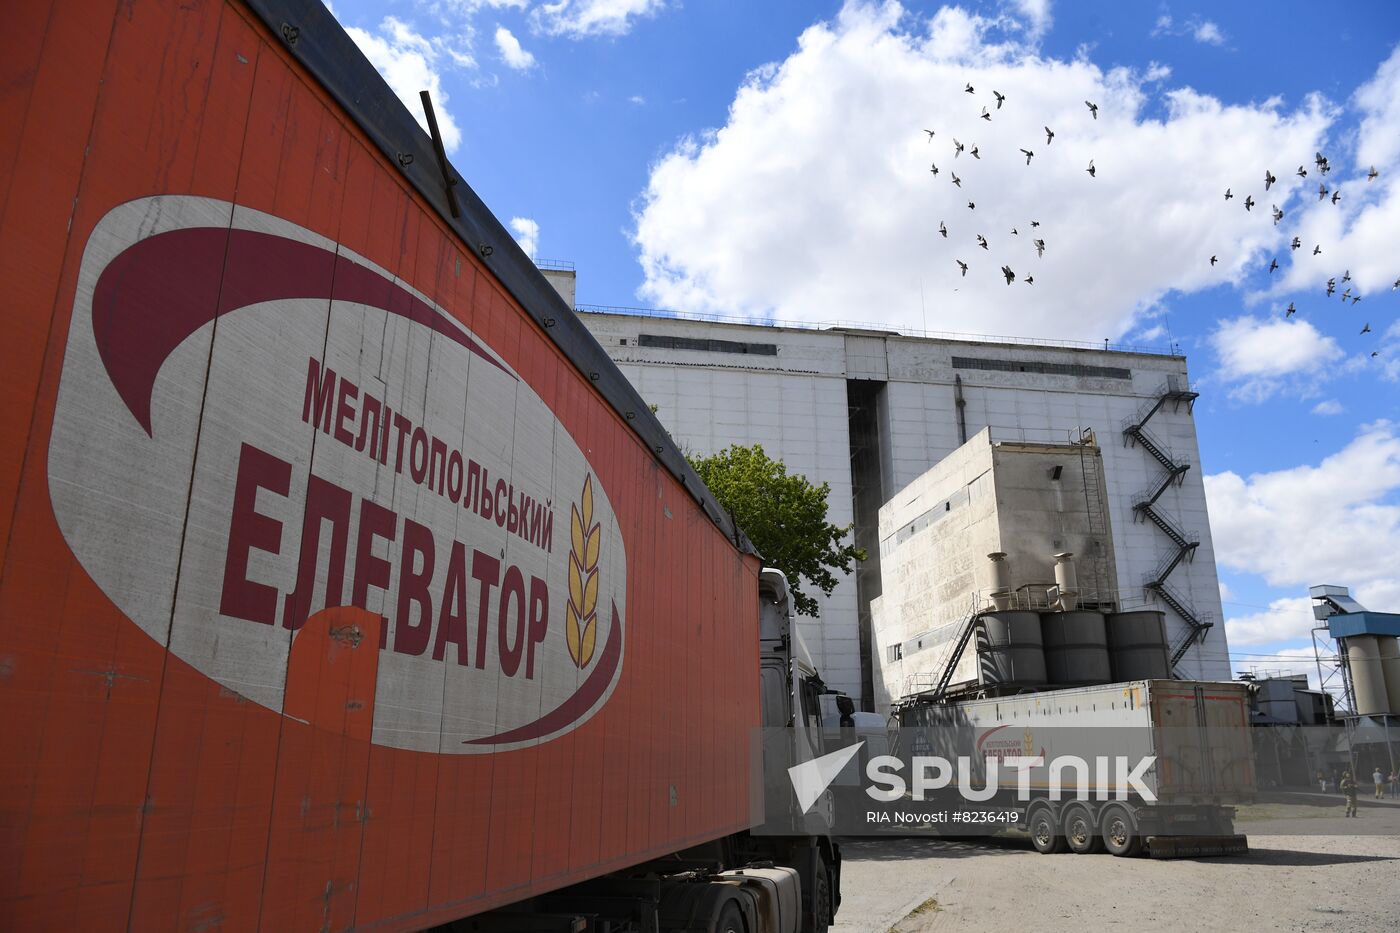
<point x="869" y="412"/>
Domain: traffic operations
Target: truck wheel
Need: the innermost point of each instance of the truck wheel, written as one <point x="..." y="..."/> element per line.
<point x="821" y="908"/>
<point x="1045" y="832"/>
<point x="1120" y="833"/>
<point x="1081" y="830"/>
<point x="731" y="918"/>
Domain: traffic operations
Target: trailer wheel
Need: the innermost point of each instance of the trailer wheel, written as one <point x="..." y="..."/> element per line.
<point x="1120" y="832"/>
<point x="1045" y="832"/>
<point x="1081" y="830"/>
<point x="730" y="919"/>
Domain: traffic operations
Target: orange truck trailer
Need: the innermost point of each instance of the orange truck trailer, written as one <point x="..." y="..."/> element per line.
<point x="347" y="584"/>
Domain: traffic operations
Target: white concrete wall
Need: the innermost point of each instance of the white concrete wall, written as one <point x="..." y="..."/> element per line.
<point x="794" y="403"/>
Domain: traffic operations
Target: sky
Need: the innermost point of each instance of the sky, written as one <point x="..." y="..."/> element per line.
<point x="771" y="161"/>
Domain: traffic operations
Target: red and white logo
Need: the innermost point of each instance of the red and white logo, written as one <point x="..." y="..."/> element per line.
<point x="255" y="424"/>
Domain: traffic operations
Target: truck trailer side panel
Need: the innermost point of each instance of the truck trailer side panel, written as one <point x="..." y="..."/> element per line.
<point x="335" y="594"/>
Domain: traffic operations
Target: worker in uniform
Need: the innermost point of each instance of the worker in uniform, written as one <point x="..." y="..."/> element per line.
<point x="1348" y="789"/>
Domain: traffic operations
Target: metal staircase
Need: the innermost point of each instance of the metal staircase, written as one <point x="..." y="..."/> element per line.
<point x="1183" y="543"/>
<point x="964" y="636"/>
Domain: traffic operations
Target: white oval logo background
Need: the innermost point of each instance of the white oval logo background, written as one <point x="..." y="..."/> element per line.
<point x="148" y="515"/>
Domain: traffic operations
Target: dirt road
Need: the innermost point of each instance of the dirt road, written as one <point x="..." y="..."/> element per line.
<point x="1287" y="882"/>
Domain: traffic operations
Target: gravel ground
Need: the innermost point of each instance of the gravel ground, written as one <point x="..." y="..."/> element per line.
<point x="1286" y="882"/>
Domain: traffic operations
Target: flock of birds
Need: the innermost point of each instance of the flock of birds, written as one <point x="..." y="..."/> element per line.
<point x="1321" y="164"/>
<point x="959" y="148"/>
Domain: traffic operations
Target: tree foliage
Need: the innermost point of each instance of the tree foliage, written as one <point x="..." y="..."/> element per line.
<point x="783" y="515"/>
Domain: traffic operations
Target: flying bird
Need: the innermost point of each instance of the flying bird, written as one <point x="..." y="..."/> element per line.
<point x="985" y="115"/>
<point x="1213" y="260"/>
<point x="1396" y="285"/>
<point x="1278" y="214"/>
<point x="931" y="134"/>
<point x="964" y="266"/>
<point x="1248" y="201"/>
<point x="957" y="147"/>
<point x="1228" y="194"/>
<point x="1321" y="191"/>
<point x="1331" y="287"/>
<point x="1093" y="108"/>
<point x="969" y="89"/>
<point x="1367" y="328"/>
<point x="1375" y="353"/>
<point x="1027" y="153"/>
<point x="1010" y="276"/>
<point x="1336" y="195"/>
<point x="1317" y="250"/>
<point x="1001" y="98"/>
<point x="956" y="180"/>
<point x="1346" y="276"/>
<point x="1029" y="280"/>
<point x="1355" y="299"/>
<point x="981" y="241"/>
<point x="1372" y="174"/>
<point x="1269" y="179"/>
<point x="1346" y="294"/>
<point x="1015" y="232"/>
<point x="1272" y="266"/>
<point x="1297" y="242"/>
<point x="1291" y="310"/>
<point x="1321" y="162"/>
<point x="971" y="206"/>
<point x="1039" y="247"/>
<point x="1093" y="173"/>
<point x="1036" y="223"/>
<point x="943" y="229"/>
<point x="933" y="167"/>
<point x="1049" y="135"/>
<point x="1302" y="172"/>
<point x="974" y="153"/>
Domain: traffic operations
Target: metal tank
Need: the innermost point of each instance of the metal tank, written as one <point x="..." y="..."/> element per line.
<point x="1137" y="645"/>
<point x="1009" y="652"/>
<point x="1076" y="648"/>
<point x="1390" y="665"/>
<point x="1369" y="657"/>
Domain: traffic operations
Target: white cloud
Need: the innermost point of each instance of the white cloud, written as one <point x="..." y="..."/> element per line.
<point x="1329" y="407"/>
<point x="1207" y="32"/>
<point x="1226" y="594"/>
<point x="1286" y="619"/>
<point x="1036" y="14"/>
<point x="409" y="63"/>
<point x="511" y="52"/>
<point x="1255" y="354"/>
<point x="815" y="201"/>
<point x="637" y="99"/>
<point x="527" y="234"/>
<point x="580" y="18"/>
<point x="1336" y="522"/>
<point x="1156" y="71"/>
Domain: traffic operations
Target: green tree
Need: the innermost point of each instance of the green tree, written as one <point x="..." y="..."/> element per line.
<point x="783" y="515"/>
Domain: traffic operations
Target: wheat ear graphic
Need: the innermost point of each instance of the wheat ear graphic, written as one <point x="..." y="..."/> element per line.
<point x="581" y="614"/>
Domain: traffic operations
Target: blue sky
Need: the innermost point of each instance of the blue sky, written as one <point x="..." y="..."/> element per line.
<point x="769" y="160"/>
